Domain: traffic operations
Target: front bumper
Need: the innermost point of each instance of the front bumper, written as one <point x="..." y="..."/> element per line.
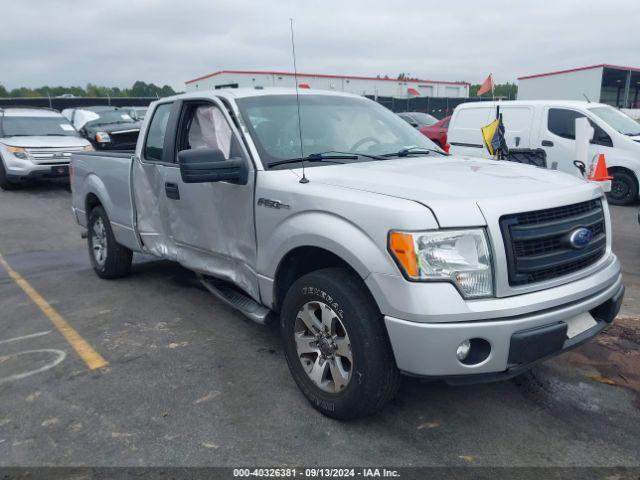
<point x="428" y="348"/>
<point x="39" y="171"/>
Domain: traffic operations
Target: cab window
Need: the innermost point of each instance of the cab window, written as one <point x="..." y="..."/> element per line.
<point x="562" y="122"/>
<point x="204" y="126"/>
<point x="154" y="145"/>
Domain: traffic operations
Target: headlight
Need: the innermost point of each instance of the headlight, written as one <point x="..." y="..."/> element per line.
<point x="18" y="152"/>
<point x="88" y="148"/>
<point x="458" y="256"/>
<point x="103" y="137"/>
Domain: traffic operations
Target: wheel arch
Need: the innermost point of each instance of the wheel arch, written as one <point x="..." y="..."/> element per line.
<point x="91" y="201"/>
<point x="303" y="260"/>
<point x="95" y="194"/>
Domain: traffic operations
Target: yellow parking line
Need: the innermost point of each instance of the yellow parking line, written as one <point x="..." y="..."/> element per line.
<point x="92" y="358"/>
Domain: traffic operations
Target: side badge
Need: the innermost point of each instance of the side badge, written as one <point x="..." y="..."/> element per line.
<point x="267" y="202"/>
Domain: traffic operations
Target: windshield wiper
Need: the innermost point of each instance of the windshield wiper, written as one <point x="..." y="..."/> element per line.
<point x="316" y="157"/>
<point x="405" y="152"/>
<point x="632" y="134"/>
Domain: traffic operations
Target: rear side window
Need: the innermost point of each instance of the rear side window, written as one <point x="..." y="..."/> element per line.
<point x="154" y="146"/>
<point x="562" y="122"/>
<point x="517" y="119"/>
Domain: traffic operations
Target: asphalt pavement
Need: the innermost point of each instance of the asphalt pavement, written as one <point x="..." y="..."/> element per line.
<point x="189" y="381"/>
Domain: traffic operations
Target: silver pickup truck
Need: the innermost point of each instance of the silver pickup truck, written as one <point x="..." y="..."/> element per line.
<point x="379" y="253"/>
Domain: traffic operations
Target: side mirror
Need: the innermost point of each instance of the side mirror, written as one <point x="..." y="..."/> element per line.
<point x="413" y="123"/>
<point x="203" y="165"/>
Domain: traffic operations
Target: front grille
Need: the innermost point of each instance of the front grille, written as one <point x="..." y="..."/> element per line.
<point x="51" y="155"/>
<point x="537" y="243"/>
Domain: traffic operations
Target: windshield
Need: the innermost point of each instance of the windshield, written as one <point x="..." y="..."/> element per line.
<point x="36" y="126"/>
<point x="617" y="120"/>
<point x="329" y="124"/>
<point x="424" y="119"/>
<point x="111" y="116"/>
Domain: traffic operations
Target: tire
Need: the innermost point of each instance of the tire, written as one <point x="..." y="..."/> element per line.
<point x="359" y="375"/>
<point x="624" y="188"/>
<point x="109" y="259"/>
<point x="5" y="184"/>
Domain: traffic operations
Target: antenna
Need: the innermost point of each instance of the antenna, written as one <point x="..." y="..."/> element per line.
<point x="304" y="178"/>
<point x="585" y="96"/>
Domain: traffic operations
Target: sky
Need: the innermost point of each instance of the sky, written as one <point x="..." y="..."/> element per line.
<point x="116" y="42"/>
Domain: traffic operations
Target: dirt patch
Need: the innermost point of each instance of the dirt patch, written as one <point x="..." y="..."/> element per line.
<point x="613" y="357"/>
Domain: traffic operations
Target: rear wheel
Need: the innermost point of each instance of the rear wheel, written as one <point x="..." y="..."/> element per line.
<point x="624" y="188"/>
<point x="5" y="184"/>
<point x="109" y="258"/>
<point x="336" y="344"/>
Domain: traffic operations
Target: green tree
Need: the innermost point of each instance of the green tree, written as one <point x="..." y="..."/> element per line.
<point x="139" y="89"/>
<point x="503" y="90"/>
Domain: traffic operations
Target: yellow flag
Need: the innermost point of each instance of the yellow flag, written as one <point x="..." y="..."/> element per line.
<point x="488" y="134"/>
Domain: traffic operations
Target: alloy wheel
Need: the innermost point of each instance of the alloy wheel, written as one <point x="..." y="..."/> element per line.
<point x="99" y="242"/>
<point x="323" y="346"/>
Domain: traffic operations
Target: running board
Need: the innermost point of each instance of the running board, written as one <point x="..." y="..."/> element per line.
<point x="236" y="299"/>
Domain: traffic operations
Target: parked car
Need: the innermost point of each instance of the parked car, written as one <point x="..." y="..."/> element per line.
<point x="550" y="125"/>
<point x="437" y="132"/>
<point x="35" y="143"/>
<point x="378" y="253"/>
<point x="418" y="119"/>
<point x="107" y="128"/>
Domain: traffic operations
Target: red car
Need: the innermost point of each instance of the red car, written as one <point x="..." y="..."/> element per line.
<point x="437" y="132"/>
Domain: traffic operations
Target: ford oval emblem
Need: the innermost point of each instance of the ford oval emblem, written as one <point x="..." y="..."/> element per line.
<point x="580" y="237"/>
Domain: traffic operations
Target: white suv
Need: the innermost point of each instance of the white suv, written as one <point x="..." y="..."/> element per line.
<point x="35" y="143"/>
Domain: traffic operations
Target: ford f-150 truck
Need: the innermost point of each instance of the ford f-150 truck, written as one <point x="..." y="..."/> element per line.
<point x="379" y="253"/>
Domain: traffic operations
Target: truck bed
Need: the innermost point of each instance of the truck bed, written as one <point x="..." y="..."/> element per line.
<point x="105" y="177"/>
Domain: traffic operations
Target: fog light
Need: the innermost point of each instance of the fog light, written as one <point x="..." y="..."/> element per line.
<point x="463" y="350"/>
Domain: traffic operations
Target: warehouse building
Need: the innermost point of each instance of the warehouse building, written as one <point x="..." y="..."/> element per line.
<point x="611" y="84"/>
<point x="372" y="86"/>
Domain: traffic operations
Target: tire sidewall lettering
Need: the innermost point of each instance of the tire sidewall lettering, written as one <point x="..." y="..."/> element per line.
<point x="327" y="298"/>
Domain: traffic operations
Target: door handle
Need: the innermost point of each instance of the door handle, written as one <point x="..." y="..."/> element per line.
<point x="172" y="190"/>
<point x="547" y="143"/>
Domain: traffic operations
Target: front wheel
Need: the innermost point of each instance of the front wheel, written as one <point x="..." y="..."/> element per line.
<point x="5" y="184"/>
<point x="108" y="258"/>
<point x="624" y="188"/>
<point x="336" y="345"/>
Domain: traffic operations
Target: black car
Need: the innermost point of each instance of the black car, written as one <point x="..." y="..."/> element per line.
<point x="107" y="128"/>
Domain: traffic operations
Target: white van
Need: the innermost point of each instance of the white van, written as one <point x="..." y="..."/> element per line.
<point x="550" y="125"/>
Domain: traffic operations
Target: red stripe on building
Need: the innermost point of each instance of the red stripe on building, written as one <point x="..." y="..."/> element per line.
<point x="579" y="69"/>
<point x="321" y="75"/>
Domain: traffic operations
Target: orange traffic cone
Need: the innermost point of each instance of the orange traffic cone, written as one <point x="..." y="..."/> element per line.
<point x="600" y="174"/>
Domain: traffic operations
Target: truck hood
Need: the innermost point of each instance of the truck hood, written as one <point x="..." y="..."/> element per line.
<point x="113" y="127"/>
<point x="44" y="141"/>
<point x="454" y="188"/>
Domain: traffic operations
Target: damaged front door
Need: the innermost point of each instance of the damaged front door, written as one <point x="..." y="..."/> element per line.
<point x="212" y="223"/>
